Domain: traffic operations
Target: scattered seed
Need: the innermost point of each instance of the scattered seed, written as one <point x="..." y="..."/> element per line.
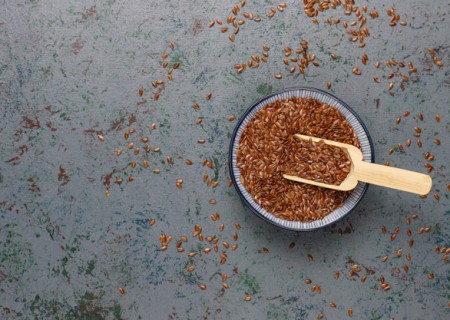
<point x="391" y="86"/>
<point x="201" y="141"/>
<point x="121" y="290"/>
<point x="231" y="118"/>
<point x="278" y="76"/>
<point x="437" y="141"/>
<point x="438" y="118"/>
<point x="332" y="304"/>
<point x="247" y="298"/>
<point x="310" y="257"/>
<point x="356" y="71"/>
<point x="202" y="286"/>
<point x="157" y="171"/>
<point x="350" y="312"/>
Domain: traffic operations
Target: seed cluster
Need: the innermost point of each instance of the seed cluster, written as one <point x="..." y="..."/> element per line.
<point x="417" y="133"/>
<point x="235" y="21"/>
<point x="316" y="161"/>
<point x="264" y="151"/>
<point x="208" y="245"/>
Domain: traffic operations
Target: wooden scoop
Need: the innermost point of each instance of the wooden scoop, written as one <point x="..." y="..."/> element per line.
<point x="380" y="175"/>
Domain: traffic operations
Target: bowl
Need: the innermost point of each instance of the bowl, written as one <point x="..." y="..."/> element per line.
<point x="358" y="126"/>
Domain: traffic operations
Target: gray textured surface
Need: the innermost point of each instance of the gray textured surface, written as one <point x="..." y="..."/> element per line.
<point x="71" y="69"/>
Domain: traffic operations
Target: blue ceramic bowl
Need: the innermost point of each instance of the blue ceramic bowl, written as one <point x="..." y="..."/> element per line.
<point x="358" y="126"/>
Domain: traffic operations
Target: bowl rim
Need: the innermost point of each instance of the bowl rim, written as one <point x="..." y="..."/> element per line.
<point x="244" y="116"/>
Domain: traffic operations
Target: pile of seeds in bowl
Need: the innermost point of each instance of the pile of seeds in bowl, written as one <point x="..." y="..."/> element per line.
<point x="268" y="149"/>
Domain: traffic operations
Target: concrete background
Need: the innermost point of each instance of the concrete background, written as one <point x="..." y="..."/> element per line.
<point x="70" y="70"/>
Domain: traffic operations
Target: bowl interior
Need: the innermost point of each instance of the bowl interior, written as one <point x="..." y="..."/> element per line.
<point x="326" y="98"/>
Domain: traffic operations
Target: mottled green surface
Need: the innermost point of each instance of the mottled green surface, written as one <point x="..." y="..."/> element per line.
<point x="72" y="69"/>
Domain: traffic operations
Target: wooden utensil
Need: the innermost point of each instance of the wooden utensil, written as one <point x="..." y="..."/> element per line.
<point x="380" y="175"/>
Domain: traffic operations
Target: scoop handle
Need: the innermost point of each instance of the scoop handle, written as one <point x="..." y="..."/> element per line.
<point x="394" y="178"/>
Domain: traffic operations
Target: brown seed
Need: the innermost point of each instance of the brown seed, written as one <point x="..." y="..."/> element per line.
<point x="209" y="96"/>
<point x="308" y="281"/>
<point x="363" y="278"/>
<point x="438" y="118"/>
<point x="376" y="79"/>
<point x="332" y="304"/>
<point x="198" y="121"/>
<point x="136" y="151"/>
<point x="430" y="276"/>
<point x="419" y="143"/>
<point x="406" y="268"/>
<point x="237" y="225"/>
<point x="121" y="290"/>
<point x="118" y="152"/>
<point x="212" y="201"/>
<point x="231" y="37"/>
<point x="420" y="115"/>
<point x="169" y="160"/>
<point x="391" y="86"/>
<point x="400" y="147"/>
<point x="196" y="106"/>
<point x="145" y="163"/>
<point x="278" y="76"/>
<point x="107" y="193"/>
<point x="202" y="286"/>
<point x="329" y="85"/>
<point x="408" y="142"/>
<point x="320" y="316"/>
<point x="436" y="196"/>
<point x="398" y="120"/>
<point x="247" y="298"/>
<point x="201" y="141"/>
<point x="437" y="141"/>
<point x="157" y="171"/>
<point x="336" y="275"/>
<point x="391" y="150"/>
<point x="310" y="257"/>
<point x="133" y="164"/>
<point x="384" y="259"/>
<point x="156" y="149"/>
<point x="234" y="247"/>
<point x="350" y="312"/>
<point x="231" y="118"/>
